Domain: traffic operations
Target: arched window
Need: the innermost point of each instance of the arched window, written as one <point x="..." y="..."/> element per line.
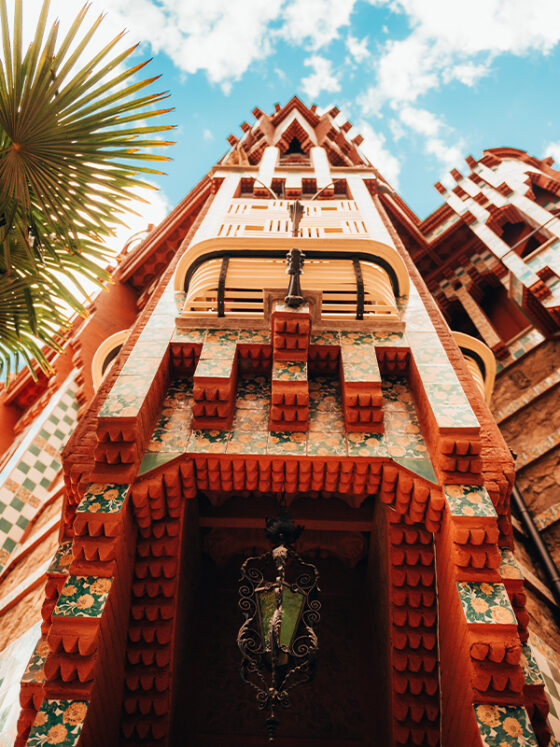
<point x="105" y="356"/>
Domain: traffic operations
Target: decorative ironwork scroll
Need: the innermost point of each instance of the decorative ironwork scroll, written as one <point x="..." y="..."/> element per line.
<point x="278" y="598"/>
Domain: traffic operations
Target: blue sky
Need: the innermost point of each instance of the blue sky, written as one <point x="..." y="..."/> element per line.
<point x="425" y="81"/>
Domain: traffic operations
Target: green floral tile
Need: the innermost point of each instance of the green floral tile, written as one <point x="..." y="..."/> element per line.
<point x="355" y="338"/>
<point x="367" y="445"/>
<point x="166" y="441"/>
<point x="253" y="393"/>
<point x="191" y="336"/>
<point x="179" y="298"/>
<point x="327" y="421"/>
<point x="326" y="338"/>
<point x="254" y="337"/>
<point x="401" y="420"/>
<point x="430" y="353"/>
<point x="220" y="368"/>
<point x="504" y="726"/>
<point x="250" y="420"/>
<point x="83" y="596"/>
<point x="141" y="366"/>
<point x="34" y="671"/>
<point x="289" y="371"/>
<point x="438" y="374"/>
<point x="405" y="445"/>
<point x="218" y="349"/>
<point x="58" y="722"/>
<point x="486" y="603"/>
<point x="397" y="391"/>
<point x="417" y="321"/>
<point x="248" y="442"/>
<point x="531" y="671"/>
<point x="390" y="339"/>
<point x="450" y="406"/>
<point x="121" y="406"/>
<point x="208" y="441"/>
<point x="287" y="442"/>
<point x="154" y="460"/>
<point x="103" y="498"/>
<point x="164" y="322"/>
<point x="469" y="500"/>
<point x="224" y="336"/>
<point x="509" y="568"/>
<point x="62" y="559"/>
<point x="149" y="349"/>
<point x="366" y="371"/>
<point x="421" y="467"/>
<point x="156" y="334"/>
<point x="324" y="394"/>
<point x="326" y="444"/>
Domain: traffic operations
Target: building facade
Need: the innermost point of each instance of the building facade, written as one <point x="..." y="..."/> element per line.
<point x="207" y="390"/>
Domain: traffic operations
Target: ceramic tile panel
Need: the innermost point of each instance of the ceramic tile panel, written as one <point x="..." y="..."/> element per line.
<point x="326" y="443"/>
<point x="155" y="334"/>
<point x="548" y="517"/>
<point x="287" y="442"/>
<point x="427" y="348"/>
<point x="324" y="394"/>
<point x="327" y="421"/>
<point x="486" y="603"/>
<point x="325" y="338"/>
<point x="189" y="336"/>
<point x="248" y="420"/>
<point x="219" y="368"/>
<point x="58" y="722"/>
<point x="83" y="596"/>
<point x="222" y="336"/>
<point x="62" y="559"/>
<point x="537" y="450"/>
<point x="549" y="667"/>
<point x="508" y="566"/>
<point x="253" y="393"/>
<point x="504" y="725"/>
<point x="248" y="442"/>
<point x="14" y="660"/>
<point x="531" y="670"/>
<point x="126" y="396"/>
<point x="141" y="366"/>
<point x="355" y="338"/>
<point x="254" y="337"/>
<point x="367" y="445"/>
<point x="167" y="441"/>
<point x="469" y="500"/>
<point x="449" y="405"/>
<point x="520" y="347"/>
<point x="153" y="460"/>
<point x="289" y="371"/>
<point x="103" y="498"/>
<point x="421" y="467"/>
<point x="34" y="671"/>
<point x="218" y="349"/>
<point x="208" y="441"/>
<point x="149" y="349"/>
<point x="36" y="467"/>
<point x="390" y="339"/>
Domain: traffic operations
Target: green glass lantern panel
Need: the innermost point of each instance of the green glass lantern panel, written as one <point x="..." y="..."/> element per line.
<point x="292" y="602"/>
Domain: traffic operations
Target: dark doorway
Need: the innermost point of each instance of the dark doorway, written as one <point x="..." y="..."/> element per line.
<point x="213" y="707"/>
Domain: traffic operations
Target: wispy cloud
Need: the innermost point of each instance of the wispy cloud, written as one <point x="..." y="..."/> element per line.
<point x="323" y="78"/>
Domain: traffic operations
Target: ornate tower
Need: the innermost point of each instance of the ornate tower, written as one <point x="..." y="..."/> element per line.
<point x="355" y="405"/>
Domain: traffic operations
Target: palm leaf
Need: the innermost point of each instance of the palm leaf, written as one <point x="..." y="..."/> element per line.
<point x="73" y="136"/>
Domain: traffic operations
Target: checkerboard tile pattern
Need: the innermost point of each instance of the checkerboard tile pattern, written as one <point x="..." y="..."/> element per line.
<point x="27" y="486"/>
<point x="549" y="666"/>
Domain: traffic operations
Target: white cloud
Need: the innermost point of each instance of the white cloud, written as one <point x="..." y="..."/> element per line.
<point x="219" y="37"/>
<point x="553" y="149"/>
<point x="207" y="134"/>
<point x="323" y="78"/>
<point x="375" y="151"/>
<point x="316" y="22"/>
<point x="358" y="48"/>
<point x="457" y="41"/>
<point x="420" y="120"/>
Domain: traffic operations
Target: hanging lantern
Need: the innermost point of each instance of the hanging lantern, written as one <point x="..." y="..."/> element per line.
<point x="279" y="602"/>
